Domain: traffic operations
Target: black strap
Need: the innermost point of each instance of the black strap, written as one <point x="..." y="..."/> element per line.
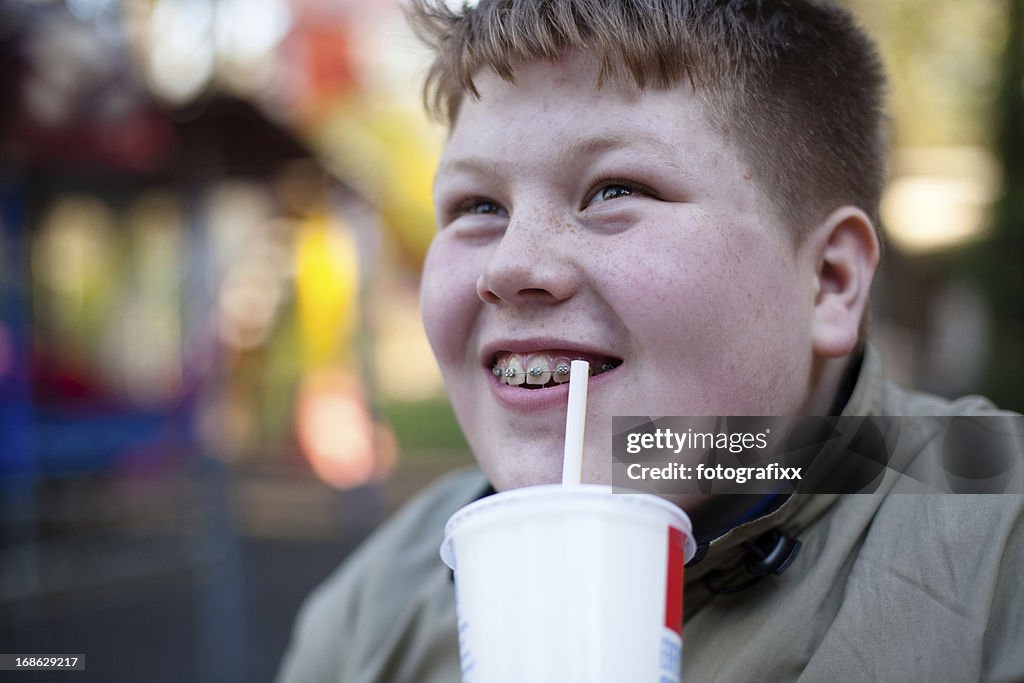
<point x="769" y="554"/>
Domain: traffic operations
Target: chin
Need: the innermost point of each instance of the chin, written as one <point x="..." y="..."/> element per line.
<point x="522" y="476"/>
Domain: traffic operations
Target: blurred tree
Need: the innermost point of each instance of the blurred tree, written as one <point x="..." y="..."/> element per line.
<point x="940" y="56"/>
<point x="997" y="263"/>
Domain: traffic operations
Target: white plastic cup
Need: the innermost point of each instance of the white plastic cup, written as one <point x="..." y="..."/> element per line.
<point x="569" y="585"/>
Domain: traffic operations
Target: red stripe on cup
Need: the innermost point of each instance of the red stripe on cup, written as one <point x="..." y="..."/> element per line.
<point x="674" y="579"/>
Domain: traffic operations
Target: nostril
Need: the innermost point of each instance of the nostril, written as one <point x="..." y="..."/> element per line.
<point x="514" y="281"/>
<point x="485" y="293"/>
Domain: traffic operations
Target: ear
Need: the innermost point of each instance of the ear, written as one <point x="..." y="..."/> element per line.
<point x="845" y="252"/>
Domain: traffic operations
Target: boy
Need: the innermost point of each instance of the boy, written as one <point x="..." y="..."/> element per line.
<point x="684" y="193"/>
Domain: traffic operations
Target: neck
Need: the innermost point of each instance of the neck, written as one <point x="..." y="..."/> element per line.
<point x="833" y="381"/>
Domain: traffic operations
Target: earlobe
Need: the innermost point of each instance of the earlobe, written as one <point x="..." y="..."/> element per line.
<point x="845" y="249"/>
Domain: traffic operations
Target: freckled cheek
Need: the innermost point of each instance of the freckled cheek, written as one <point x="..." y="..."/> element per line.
<point x="697" y="293"/>
<point x="448" y="303"/>
<point x="661" y="276"/>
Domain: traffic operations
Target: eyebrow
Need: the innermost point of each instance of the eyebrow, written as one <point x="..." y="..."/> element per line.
<point x="589" y="146"/>
<point x="473" y="165"/>
<point x="577" y="148"/>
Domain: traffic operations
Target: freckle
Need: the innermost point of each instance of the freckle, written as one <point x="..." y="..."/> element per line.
<point x="746" y="176"/>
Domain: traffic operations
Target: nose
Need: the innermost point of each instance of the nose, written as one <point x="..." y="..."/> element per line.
<point x="530" y="265"/>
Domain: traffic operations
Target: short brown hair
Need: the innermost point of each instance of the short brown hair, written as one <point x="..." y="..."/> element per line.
<point x="796" y="84"/>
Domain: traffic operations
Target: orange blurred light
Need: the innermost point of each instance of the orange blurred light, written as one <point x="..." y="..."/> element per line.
<point x="337" y="433"/>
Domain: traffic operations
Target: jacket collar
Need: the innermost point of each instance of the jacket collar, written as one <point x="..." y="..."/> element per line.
<point x="726" y="553"/>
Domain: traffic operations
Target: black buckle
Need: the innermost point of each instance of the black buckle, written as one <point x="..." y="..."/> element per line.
<point x="769" y="554"/>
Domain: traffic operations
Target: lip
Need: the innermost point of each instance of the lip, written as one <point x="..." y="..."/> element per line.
<point x="521" y="400"/>
<point x="491" y="349"/>
<point x="538" y="400"/>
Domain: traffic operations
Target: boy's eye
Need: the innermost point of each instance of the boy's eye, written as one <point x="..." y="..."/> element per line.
<point x="613" y="192"/>
<point x="482" y="207"/>
<point x="616" y="189"/>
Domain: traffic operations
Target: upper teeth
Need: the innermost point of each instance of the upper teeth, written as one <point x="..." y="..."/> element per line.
<point x="515" y="373"/>
<point x="536" y="369"/>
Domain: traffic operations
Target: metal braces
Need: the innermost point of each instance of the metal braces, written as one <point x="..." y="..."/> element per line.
<point x="562" y="370"/>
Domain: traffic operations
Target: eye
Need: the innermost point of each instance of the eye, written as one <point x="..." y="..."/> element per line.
<point x="608" y="190"/>
<point x="612" y="192"/>
<point x="472" y="213"/>
<point x="480" y="207"/>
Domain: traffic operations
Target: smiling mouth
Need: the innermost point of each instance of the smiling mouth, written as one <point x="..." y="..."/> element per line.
<point x="542" y="369"/>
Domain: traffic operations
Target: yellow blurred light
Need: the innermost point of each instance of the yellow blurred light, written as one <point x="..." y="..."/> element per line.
<point x="75" y="244"/>
<point x="389" y="153"/>
<point x="927" y="213"/>
<point x="939" y="197"/>
<point x="327" y="277"/>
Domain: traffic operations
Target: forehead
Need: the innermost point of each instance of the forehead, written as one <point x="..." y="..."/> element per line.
<point x="561" y="108"/>
<point x="571" y="86"/>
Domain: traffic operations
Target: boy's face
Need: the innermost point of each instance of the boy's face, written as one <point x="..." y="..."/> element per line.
<point x="615" y="225"/>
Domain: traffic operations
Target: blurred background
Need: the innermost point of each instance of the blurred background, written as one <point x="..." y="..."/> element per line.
<point x="213" y="378"/>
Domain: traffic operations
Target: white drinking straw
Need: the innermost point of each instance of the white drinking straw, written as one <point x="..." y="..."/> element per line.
<point x="575" y="421"/>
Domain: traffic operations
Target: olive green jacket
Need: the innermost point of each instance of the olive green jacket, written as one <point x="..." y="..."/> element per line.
<point x="887" y="586"/>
